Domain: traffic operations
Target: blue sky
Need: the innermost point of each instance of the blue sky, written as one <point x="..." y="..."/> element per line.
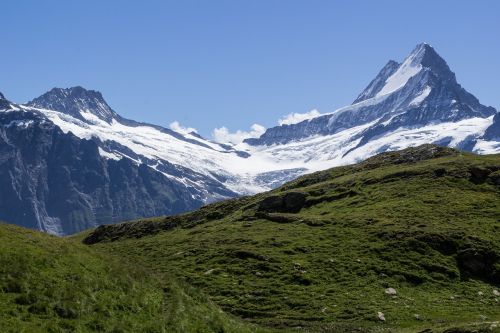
<point x="233" y="63"/>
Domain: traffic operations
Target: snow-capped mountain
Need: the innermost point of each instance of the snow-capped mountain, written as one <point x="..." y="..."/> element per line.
<point x="419" y="91"/>
<point x="417" y="101"/>
<point x="70" y="162"/>
<point x="56" y="182"/>
<point x="211" y="170"/>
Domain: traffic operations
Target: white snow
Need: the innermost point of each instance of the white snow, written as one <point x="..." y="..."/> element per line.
<point x="314" y="153"/>
<point x="404" y="137"/>
<point x="409" y="68"/>
<point x="154" y="144"/>
<point x="108" y="155"/>
<point x="20" y="123"/>
<point x="487" y="147"/>
<point x="421" y="97"/>
<point x="322" y="152"/>
<point x="11" y="108"/>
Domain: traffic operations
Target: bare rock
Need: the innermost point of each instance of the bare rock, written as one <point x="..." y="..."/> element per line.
<point x="391" y="292"/>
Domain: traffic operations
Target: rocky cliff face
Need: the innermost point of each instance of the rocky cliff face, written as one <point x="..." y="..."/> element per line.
<point x="4" y="103"/>
<point x="60" y="184"/>
<point x="493" y="132"/>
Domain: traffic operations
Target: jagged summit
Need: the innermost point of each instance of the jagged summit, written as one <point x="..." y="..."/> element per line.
<point x="427" y="56"/>
<point x="420" y="51"/>
<point x="4" y="103"/>
<point x="394" y="76"/>
<point x="75" y="101"/>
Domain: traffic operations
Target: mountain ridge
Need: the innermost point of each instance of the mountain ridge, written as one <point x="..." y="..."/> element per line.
<point x="73" y="101"/>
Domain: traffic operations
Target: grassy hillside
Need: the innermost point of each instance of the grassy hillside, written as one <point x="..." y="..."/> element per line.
<point x="404" y="242"/>
<point x="49" y="284"/>
<point x="321" y="253"/>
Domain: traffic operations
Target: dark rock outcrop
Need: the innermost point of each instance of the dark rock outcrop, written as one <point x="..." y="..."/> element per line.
<point x="483" y="264"/>
<point x="4" y="103"/>
<point x="493" y="132"/>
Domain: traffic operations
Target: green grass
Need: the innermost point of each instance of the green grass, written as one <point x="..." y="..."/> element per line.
<point x="49" y="284"/>
<point x="315" y="255"/>
<point x="415" y="227"/>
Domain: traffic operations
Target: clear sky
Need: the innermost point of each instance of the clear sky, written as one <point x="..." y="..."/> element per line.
<point x="233" y="63"/>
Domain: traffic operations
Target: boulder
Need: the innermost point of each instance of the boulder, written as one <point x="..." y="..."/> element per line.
<point x="391" y="291"/>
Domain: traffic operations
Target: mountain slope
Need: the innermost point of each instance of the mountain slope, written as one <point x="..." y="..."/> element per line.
<point x="49" y="284"/>
<point x="321" y="252"/>
<point x="58" y="183"/>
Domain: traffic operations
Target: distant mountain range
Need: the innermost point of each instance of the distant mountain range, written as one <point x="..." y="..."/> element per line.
<point x="69" y="162"/>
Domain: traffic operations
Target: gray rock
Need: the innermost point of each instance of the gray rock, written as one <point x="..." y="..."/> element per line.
<point x="391" y="292"/>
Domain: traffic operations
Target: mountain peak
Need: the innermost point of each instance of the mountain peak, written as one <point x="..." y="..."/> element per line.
<point x="394" y="76"/>
<point x="427" y="57"/>
<point x="75" y="101"/>
<point x="77" y="91"/>
<point x="4" y="103"/>
<point x="419" y="91"/>
<point x="421" y="49"/>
